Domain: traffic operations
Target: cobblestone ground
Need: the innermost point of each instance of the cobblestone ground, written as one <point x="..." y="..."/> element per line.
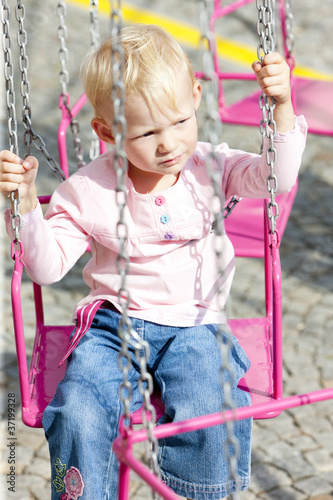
<point x="292" y="454"/>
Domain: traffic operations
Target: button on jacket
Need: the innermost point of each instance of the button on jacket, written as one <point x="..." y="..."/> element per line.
<point x="172" y="277"/>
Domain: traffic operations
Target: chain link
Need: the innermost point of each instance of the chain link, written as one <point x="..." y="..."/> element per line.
<point x="24" y="65"/>
<point x="267" y="124"/>
<point x="229" y="208"/>
<point x="9" y="77"/>
<point x="126" y="331"/>
<point x="63" y="51"/>
<point x="15" y="196"/>
<point x="94" y="23"/>
<point x="289" y="21"/>
<point x="94" y="150"/>
<point x="64" y="80"/>
<point x="30" y="136"/>
<point x="16" y="218"/>
<point x="265" y="27"/>
<point x="212" y="129"/>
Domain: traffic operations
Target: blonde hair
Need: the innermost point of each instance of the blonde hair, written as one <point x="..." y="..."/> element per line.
<point x="152" y="58"/>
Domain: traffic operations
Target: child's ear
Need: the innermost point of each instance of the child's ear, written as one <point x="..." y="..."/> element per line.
<point x="197" y="91"/>
<point x="102" y="130"/>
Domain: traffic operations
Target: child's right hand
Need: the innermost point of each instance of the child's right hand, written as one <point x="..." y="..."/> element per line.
<point x="17" y="173"/>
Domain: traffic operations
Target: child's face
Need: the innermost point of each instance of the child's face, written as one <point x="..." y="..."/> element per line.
<point x="158" y="145"/>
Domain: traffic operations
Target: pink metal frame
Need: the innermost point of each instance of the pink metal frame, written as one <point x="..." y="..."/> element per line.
<point x="32" y="389"/>
<point x="67" y="115"/>
<point x="124" y="443"/>
<point x="318" y="110"/>
<point x="37" y="386"/>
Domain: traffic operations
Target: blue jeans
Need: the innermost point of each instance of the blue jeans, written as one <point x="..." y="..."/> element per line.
<point x="82" y="420"/>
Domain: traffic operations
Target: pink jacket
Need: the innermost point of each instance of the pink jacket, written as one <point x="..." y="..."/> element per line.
<point x="172" y="277"/>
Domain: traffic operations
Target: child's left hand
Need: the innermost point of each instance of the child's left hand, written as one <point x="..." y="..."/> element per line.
<point x="273" y="76"/>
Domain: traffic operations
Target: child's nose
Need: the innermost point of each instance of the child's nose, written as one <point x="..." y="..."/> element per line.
<point x="168" y="142"/>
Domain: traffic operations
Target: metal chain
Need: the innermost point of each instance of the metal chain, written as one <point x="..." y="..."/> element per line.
<point x="289" y="20"/>
<point x="229" y="208"/>
<point x="78" y="149"/>
<point x="63" y="51"/>
<point x="15" y="196"/>
<point x="30" y="135"/>
<point x="95" y="42"/>
<point x="267" y="124"/>
<point x="265" y="27"/>
<point x="126" y="331"/>
<point x="9" y="77"/>
<point x="94" y="150"/>
<point x="64" y="80"/>
<point x="94" y="23"/>
<point x="24" y="65"/>
<point x="16" y="218"/>
<point x="212" y="130"/>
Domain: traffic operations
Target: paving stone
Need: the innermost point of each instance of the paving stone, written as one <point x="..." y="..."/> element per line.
<point x="280" y="450"/>
<point x="296" y="467"/>
<point x="303" y="443"/>
<point x="266" y="477"/>
<point x="41" y="494"/>
<point x="31" y="481"/>
<point x="286" y="493"/>
<point x="309" y="424"/>
<point x="261" y="436"/>
<point x="43" y="451"/>
<point x="21" y="493"/>
<point x="259" y="456"/>
<point x="322" y="497"/>
<point x="248" y="495"/>
<point x="39" y="467"/>
<point x="314" y="485"/>
<point x="321" y="460"/>
<point x="329" y="478"/>
<point x="284" y="425"/>
<point x="24" y="458"/>
<point x="29" y="437"/>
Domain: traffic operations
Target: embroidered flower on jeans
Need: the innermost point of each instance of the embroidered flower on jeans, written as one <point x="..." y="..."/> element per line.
<point x="65" y="496"/>
<point x="74" y="483"/>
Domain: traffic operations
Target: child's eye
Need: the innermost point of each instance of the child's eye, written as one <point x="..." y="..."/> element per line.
<point x="147" y="134"/>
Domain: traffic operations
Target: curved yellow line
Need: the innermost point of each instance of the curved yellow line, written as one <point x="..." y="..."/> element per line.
<point x="190" y="36"/>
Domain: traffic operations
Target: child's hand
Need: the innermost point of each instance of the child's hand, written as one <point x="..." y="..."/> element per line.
<point x="273" y="76"/>
<point x="17" y="173"/>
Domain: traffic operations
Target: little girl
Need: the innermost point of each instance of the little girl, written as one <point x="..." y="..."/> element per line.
<point x="172" y="276"/>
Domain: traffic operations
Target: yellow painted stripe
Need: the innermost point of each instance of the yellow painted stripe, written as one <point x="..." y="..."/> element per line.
<point x="189" y="35"/>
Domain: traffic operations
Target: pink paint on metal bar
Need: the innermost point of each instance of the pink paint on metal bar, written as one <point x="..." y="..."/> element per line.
<point x="67" y="115"/>
<point x="229" y="76"/>
<point x="277" y="317"/>
<point x="196" y="423"/>
<point x="123" y="445"/>
<point x="318" y="111"/>
<point x="124" y="453"/>
<point x="220" y="11"/>
<point x="18" y="324"/>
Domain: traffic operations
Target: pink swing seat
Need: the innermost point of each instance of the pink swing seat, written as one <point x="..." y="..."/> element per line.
<point x="311" y="97"/>
<point x="318" y="111"/>
<point x="260" y="337"/>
